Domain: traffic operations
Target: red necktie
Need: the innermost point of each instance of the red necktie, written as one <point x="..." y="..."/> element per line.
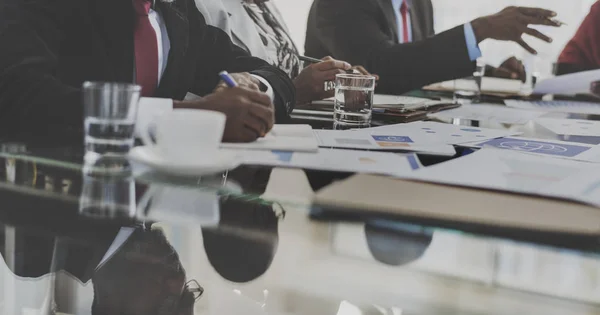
<point x="404" y="13"/>
<point x="146" y="49"/>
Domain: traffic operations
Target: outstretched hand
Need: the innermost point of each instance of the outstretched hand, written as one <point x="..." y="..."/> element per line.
<point x="511" y="23"/>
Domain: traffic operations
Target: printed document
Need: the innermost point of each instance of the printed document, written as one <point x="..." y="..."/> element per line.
<point x="520" y="173"/>
<point x="354" y="161"/>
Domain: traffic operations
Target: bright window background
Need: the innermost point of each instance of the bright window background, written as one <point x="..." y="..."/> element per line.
<point x="449" y="13"/>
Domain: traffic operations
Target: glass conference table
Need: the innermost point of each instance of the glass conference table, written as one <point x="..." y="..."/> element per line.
<point x="79" y="241"/>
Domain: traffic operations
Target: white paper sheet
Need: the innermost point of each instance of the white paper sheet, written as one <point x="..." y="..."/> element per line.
<point x="549" y="148"/>
<point x="297" y="138"/>
<point x="428" y="132"/>
<point x="337" y="160"/>
<point x="556" y="106"/>
<point x="488" y="85"/>
<point x="364" y="140"/>
<point x="569" y="84"/>
<point x="489" y="112"/>
<point x="570" y="127"/>
<point x="517" y="172"/>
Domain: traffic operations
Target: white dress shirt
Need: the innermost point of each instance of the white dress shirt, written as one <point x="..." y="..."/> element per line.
<point x="399" y="21"/>
<point x="150" y="107"/>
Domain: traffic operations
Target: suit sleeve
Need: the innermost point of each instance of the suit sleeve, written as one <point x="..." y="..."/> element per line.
<point x="218" y="53"/>
<point x="31" y="95"/>
<point x="351" y="31"/>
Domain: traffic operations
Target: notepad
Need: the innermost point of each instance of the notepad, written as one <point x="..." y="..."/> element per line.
<point x="296" y="138"/>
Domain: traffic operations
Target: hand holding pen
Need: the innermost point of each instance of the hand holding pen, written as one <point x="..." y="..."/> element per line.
<point x="244" y="80"/>
<point x="250" y="112"/>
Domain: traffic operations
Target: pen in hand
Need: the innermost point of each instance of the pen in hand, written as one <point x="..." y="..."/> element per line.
<point x="312" y="60"/>
<point x="228" y="79"/>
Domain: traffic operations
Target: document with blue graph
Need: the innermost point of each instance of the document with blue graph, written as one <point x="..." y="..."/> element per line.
<point x="519" y="172"/>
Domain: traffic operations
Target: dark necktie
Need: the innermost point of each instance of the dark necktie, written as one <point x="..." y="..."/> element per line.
<point x="146" y="49"/>
<point x="404" y="14"/>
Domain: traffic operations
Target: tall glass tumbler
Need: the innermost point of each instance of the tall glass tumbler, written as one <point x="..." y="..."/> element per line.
<point x="353" y="99"/>
<point x="468" y="90"/>
<point x="110" y="111"/>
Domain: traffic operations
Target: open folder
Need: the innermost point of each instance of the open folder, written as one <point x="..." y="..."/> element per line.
<point x="515" y="216"/>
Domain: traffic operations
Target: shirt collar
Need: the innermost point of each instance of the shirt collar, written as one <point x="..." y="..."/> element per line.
<point x="398" y="3"/>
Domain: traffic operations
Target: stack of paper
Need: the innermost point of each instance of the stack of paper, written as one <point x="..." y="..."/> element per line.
<point x="571" y="127"/>
<point x="428" y="132"/>
<point x="363" y="140"/>
<point x="574" y="107"/>
<point x="569" y="84"/>
<point x="337" y="160"/>
<point x="520" y="173"/>
<point x="489" y="85"/>
<point x="423" y="137"/>
<point x="489" y="112"/>
<point x="297" y="138"/>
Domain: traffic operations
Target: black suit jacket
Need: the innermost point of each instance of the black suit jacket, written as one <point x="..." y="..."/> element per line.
<point x="364" y="32"/>
<point x="49" y="48"/>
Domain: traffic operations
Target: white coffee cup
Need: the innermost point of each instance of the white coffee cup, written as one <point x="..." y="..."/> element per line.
<point x="188" y="135"/>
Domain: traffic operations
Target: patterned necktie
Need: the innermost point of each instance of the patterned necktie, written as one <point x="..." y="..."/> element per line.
<point x="146" y="49"/>
<point x="404" y="14"/>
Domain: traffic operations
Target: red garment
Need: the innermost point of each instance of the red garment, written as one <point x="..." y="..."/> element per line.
<point x="404" y="14"/>
<point x="584" y="48"/>
<point x="146" y="49"/>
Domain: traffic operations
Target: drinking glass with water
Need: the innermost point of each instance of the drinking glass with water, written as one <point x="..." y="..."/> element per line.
<point x="110" y="111"/>
<point x="468" y="90"/>
<point x="353" y="99"/>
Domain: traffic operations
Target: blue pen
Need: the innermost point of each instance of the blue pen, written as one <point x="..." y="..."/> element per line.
<point x="227" y="79"/>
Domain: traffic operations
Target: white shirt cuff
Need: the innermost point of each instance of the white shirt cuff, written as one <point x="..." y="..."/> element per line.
<point x="269" y="90"/>
<point x="149" y="108"/>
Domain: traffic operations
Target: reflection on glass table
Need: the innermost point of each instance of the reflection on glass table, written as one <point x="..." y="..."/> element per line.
<point x="247" y="238"/>
<point x="259" y="258"/>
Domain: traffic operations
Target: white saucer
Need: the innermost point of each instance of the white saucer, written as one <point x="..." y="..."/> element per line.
<point x="219" y="162"/>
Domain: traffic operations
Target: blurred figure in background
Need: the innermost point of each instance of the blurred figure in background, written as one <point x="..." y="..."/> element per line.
<point x="394" y="38"/>
<point x="259" y="28"/>
<point x="582" y="53"/>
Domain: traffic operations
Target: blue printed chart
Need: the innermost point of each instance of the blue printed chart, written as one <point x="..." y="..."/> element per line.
<point x="428" y="132"/>
<point x="560" y="149"/>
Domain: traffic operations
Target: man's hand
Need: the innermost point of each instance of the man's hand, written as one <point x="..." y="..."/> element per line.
<point x="511" y="23"/>
<point x="512" y="68"/>
<point x="310" y="83"/>
<point x="250" y="113"/>
<point x="243" y="79"/>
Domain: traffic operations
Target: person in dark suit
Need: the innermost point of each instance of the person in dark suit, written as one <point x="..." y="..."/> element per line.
<point x="50" y="48"/>
<point x="400" y="47"/>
